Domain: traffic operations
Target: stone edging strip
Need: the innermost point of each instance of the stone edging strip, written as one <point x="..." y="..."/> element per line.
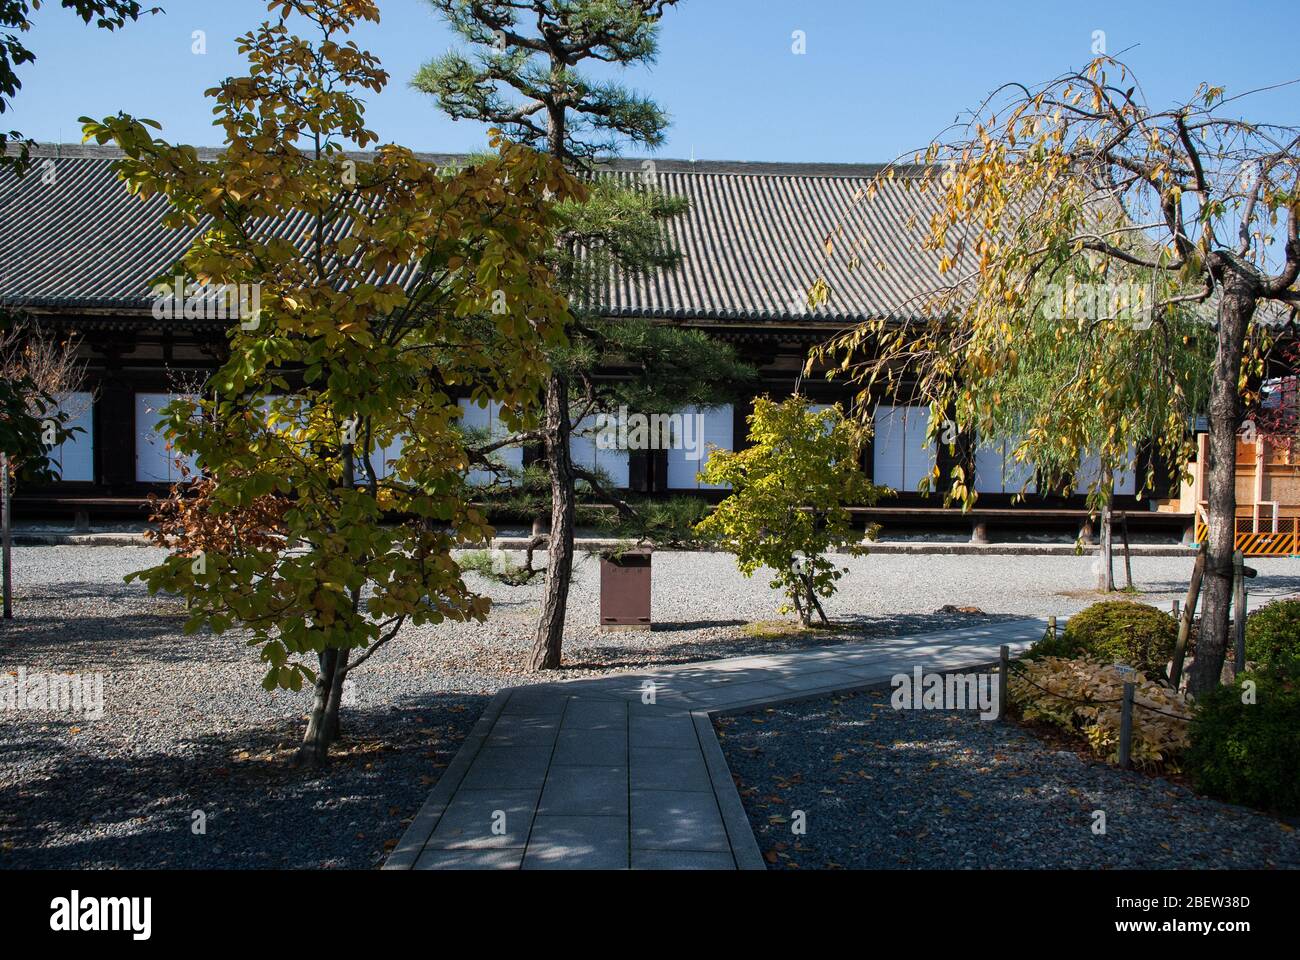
<point x="819" y="678"/>
<point x="413" y="840"/>
<point x="887" y="548"/>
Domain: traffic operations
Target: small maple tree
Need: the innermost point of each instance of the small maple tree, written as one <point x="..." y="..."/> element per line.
<point x="790" y="493"/>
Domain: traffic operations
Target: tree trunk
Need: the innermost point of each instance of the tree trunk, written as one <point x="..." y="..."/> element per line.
<point x="1235" y="310"/>
<point x="813" y="602"/>
<point x="559" y="551"/>
<point x="1106" y="555"/>
<point x="332" y="726"/>
<point x="6" y="550"/>
<point x="316" y="740"/>
<point x="1128" y="553"/>
<point x="805" y="617"/>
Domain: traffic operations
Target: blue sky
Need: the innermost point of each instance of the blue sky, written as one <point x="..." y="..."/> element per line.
<point x="877" y="78"/>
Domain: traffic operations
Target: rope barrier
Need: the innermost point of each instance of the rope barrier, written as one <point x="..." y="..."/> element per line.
<point x="1061" y="696"/>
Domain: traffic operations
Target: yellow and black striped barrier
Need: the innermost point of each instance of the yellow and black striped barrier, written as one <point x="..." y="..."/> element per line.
<point x="1259" y="543"/>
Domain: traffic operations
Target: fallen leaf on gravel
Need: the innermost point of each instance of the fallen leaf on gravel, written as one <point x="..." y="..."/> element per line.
<point x="965" y="793"/>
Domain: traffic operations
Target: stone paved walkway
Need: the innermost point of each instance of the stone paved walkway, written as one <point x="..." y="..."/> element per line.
<point x="625" y="771"/>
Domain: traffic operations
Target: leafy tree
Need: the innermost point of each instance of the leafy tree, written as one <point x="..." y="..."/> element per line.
<point x="523" y="77"/>
<point x="404" y="284"/>
<point x="1152" y="376"/>
<point x="14" y="21"/>
<point x="36" y="370"/>
<point x="790" y="493"/>
<point x="1191" y="202"/>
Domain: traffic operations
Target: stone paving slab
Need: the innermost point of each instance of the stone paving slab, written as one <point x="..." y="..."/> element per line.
<point x="626" y="772"/>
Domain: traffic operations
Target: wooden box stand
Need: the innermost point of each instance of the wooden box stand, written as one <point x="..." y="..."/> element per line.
<point x="625" y="592"/>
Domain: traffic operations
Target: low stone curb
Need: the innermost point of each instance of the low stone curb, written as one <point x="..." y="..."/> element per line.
<point x="413" y="840"/>
<point x="744" y="845"/>
<point x="887" y="548"/>
<point x="813" y="675"/>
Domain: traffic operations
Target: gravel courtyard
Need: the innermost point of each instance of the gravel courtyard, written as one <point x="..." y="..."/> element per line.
<point x="187" y="729"/>
<point x="974" y="795"/>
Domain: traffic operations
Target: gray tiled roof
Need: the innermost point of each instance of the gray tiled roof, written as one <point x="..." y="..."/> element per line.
<point x="753" y="241"/>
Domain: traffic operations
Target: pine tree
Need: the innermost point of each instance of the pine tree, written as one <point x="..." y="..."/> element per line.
<point x="522" y="78"/>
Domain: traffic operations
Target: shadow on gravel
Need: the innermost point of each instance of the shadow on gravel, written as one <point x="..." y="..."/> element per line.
<point x="81" y="590"/>
<point x="1272" y="584"/>
<point x="87" y="805"/>
<point x="889" y="789"/>
<point x="108" y="640"/>
<point x="628" y="654"/>
<point x="685" y="625"/>
<point x="904" y="624"/>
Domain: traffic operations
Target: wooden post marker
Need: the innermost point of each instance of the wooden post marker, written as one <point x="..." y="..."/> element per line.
<point x="1126" y="727"/>
<point x="1004" y="654"/>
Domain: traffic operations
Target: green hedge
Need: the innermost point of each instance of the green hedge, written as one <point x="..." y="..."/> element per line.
<point x="1249" y="753"/>
<point x="1115" y="631"/>
<point x="1273" y="637"/>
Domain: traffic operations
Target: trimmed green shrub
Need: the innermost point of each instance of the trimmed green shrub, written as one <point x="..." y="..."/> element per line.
<point x="1273" y="637"/>
<point x="496" y="566"/>
<point x="1249" y="753"/>
<point x="1050" y="645"/>
<point x="1121" y="631"/>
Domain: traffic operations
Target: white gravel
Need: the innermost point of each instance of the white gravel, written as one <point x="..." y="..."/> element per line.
<point x="183" y="712"/>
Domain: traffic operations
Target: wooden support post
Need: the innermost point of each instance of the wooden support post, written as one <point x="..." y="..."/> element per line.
<point x="1175" y="609"/>
<point x="1189" y="611"/>
<point x="1051" y="626"/>
<point x="1126" y="727"/>
<point x="1004" y="655"/>
<point x="1128" y="556"/>
<point x="1239" y="609"/>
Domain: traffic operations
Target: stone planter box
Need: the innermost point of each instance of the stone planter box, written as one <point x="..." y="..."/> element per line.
<point x="625" y="592"/>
